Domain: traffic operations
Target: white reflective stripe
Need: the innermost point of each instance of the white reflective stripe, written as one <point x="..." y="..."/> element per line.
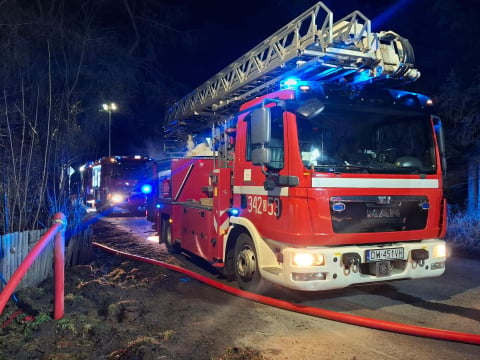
<point x="221" y="215"/>
<point x="375" y="183"/>
<point x="260" y="190"/>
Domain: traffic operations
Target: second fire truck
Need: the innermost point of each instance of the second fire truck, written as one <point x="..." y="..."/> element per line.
<point x="317" y="171"/>
<point x="122" y="182"/>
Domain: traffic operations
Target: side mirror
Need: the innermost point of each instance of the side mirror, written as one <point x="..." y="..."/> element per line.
<point x="261" y="134"/>
<point x="261" y="123"/>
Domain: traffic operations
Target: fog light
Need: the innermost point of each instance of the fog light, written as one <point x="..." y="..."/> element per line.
<point x="309" y="276"/>
<point x="437" y="265"/>
<point x="440" y="251"/>
<point x="308" y="259"/>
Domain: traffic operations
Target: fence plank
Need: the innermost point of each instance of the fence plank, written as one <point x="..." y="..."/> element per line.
<point x="15" y="247"/>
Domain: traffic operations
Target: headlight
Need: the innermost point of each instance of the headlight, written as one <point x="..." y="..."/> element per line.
<point x="440" y="251"/>
<point x="116" y="198"/>
<point x="308" y="259"/>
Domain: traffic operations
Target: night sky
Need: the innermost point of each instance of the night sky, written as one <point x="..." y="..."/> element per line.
<point x="227" y="29"/>
<point x="444" y="33"/>
<point x="230" y="28"/>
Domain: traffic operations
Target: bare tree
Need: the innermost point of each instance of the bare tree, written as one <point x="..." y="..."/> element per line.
<point x="459" y="106"/>
<point x="60" y="61"/>
<point x="43" y="79"/>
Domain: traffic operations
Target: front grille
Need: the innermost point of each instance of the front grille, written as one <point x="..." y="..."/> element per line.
<point x="364" y="214"/>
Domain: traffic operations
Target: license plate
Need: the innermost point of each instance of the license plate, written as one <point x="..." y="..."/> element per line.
<point x="384" y="254"/>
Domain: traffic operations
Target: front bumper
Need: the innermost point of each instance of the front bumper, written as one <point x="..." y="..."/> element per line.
<point x="345" y="266"/>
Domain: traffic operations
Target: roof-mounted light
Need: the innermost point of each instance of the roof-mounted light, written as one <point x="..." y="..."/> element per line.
<point x="304" y="88"/>
<point x="290" y="83"/>
<point x="296" y="84"/>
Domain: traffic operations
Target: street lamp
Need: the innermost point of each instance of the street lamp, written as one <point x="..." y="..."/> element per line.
<point x="109" y="108"/>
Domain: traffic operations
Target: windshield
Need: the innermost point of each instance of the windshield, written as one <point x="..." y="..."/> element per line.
<point x="126" y="174"/>
<point x="367" y="142"/>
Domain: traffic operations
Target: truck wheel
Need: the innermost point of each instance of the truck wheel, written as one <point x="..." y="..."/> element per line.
<point x="166" y="237"/>
<point x="246" y="265"/>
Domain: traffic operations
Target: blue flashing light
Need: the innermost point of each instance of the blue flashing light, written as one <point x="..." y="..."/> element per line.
<point x="146" y="189"/>
<point x="158" y="206"/>
<point x="290" y="83"/>
<point x="233" y="212"/>
<point x="411" y="99"/>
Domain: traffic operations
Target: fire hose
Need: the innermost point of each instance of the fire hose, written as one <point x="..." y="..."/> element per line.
<point x="312" y="311"/>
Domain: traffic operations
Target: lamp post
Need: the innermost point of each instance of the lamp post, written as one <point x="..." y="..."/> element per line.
<point x="109" y="108"/>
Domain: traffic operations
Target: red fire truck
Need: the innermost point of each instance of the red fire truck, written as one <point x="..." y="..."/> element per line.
<point x="121" y="182"/>
<point x="320" y="173"/>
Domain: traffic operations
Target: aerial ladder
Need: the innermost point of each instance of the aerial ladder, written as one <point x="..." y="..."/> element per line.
<point x="311" y="47"/>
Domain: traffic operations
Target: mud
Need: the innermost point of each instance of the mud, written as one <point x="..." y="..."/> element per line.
<point x="118" y="309"/>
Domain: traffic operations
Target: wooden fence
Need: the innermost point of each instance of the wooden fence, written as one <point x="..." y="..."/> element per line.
<point x="16" y="246"/>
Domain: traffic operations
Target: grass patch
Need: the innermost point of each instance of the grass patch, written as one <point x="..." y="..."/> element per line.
<point x="463" y="229"/>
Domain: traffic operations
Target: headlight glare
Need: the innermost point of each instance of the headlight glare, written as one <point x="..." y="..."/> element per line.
<point x="308" y="259"/>
<point x="117" y="198"/>
<point x="440" y="251"/>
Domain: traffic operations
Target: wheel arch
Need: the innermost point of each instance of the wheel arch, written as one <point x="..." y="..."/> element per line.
<point x="265" y="254"/>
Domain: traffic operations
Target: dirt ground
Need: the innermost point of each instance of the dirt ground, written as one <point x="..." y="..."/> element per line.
<point x="117" y="308"/>
<point x="122" y="309"/>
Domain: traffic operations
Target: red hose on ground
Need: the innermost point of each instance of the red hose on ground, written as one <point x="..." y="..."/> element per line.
<point x="308" y="310"/>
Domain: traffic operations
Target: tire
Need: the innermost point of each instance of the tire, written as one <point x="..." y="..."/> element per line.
<point x="246" y="268"/>
<point x="166" y="237"/>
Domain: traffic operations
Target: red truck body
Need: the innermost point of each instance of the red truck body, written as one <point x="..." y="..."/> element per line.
<point x="361" y="223"/>
<point x="316" y="174"/>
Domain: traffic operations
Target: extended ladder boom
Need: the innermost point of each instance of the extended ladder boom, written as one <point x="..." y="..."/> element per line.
<point x="310" y="47"/>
